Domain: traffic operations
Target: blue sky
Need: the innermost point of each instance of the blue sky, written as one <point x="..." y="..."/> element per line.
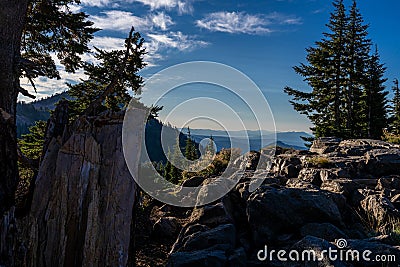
<point x="263" y="39"/>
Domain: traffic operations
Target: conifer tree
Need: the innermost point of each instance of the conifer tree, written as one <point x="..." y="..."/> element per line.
<point x="325" y="74"/>
<point x="190" y="148"/>
<point x="395" y="109"/>
<point x="374" y="101"/>
<point x="347" y="97"/>
<point x="175" y="174"/>
<point x="356" y="63"/>
<point x="31" y="144"/>
<point x="108" y="81"/>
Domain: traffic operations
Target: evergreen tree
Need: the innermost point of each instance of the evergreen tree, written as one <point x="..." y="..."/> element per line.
<point x="347" y="99"/>
<point x="374" y="102"/>
<point x="190" y="148"/>
<point x="31" y="144"/>
<point x="108" y="81"/>
<point x="175" y="174"/>
<point x="325" y="74"/>
<point x="395" y="109"/>
<point x="356" y="61"/>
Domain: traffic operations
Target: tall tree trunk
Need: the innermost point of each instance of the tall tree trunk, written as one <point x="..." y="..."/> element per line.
<point x="12" y="17"/>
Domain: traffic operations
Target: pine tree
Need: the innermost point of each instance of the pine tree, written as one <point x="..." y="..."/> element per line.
<point x="190" y="148"/>
<point x="175" y="173"/>
<point x="356" y="63"/>
<point x="108" y="81"/>
<point x="325" y="74"/>
<point x="395" y="109"/>
<point x="345" y="80"/>
<point x="31" y="144"/>
<point x="374" y="102"/>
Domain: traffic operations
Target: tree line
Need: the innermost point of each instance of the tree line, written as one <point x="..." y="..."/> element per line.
<point x="348" y="97"/>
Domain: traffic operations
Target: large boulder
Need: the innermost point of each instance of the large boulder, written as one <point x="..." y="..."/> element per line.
<point x="198" y="237"/>
<point x="383" y="161"/>
<point x="211" y="215"/>
<point x="325" y="145"/>
<point x="273" y="211"/>
<point x="82" y="205"/>
<point x="325" y="231"/>
<point x="211" y="257"/>
<point x="313" y="252"/>
<point x="379" y="212"/>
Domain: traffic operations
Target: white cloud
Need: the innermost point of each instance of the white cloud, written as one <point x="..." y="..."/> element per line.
<point x="279" y="18"/>
<point x="97" y="3"/>
<point x="176" y="40"/>
<point x="122" y="21"/>
<point x="46" y="87"/>
<point x="161" y="20"/>
<point x="108" y="43"/>
<point x="119" y="21"/>
<point x="182" y="6"/>
<point x="234" y="22"/>
<point x="240" y="22"/>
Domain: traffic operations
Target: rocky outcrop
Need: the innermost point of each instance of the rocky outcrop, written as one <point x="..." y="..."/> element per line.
<point x="339" y="190"/>
<point x="82" y="207"/>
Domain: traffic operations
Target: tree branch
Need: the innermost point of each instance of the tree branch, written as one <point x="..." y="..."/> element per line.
<point x="25" y="92"/>
<point x="111" y="87"/>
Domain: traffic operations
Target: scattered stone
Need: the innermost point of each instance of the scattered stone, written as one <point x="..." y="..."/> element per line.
<point x="325" y="231"/>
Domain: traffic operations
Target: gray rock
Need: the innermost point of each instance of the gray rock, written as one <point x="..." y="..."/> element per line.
<point x="311" y="175"/>
<point x="334" y="173"/>
<point x="343" y="186"/>
<point x="317" y="258"/>
<point x="194" y="181"/>
<point x="224" y="236"/>
<point x="166" y="227"/>
<point x="238" y="258"/>
<point x="82" y="205"/>
<point x="274" y="211"/>
<point x="201" y="258"/>
<point x="325" y="231"/>
<point x="383" y="161"/>
<point x="211" y="215"/>
<point x="325" y="145"/>
<point x="379" y="211"/>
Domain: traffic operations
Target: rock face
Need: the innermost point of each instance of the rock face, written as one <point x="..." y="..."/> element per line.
<point x="84" y="197"/>
<point x="272" y="212"/>
<point x="309" y="199"/>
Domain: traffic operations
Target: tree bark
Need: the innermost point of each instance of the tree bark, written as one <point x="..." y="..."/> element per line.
<point x="12" y="18"/>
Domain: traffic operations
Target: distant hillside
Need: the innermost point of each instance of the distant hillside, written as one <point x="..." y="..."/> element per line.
<point x="254" y="141"/>
<point x="28" y="113"/>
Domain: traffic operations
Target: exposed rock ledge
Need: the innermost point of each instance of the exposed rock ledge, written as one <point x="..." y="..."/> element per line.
<point x="341" y="189"/>
<point x="83" y="202"/>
